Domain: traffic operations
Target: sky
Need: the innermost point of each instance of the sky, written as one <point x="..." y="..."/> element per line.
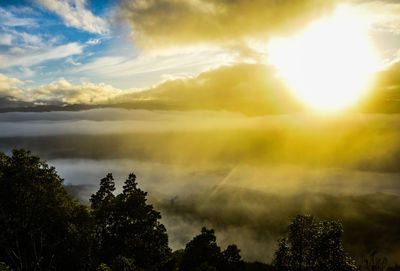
<point x="81" y="51"/>
<point x="82" y="43"/>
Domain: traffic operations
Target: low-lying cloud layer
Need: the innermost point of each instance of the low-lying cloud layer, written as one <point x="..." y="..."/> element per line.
<point x="357" y="141"/>
<point x="255" y="219"/>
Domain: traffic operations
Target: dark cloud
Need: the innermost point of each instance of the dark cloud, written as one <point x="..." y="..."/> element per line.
<point x="248" y="88"/>
<point x="163" y="23"/>
<point x="9" y="102"/>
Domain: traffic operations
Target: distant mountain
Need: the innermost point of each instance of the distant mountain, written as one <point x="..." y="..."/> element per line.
<point x="30" y="107"/>
<point x="9" y="103"/>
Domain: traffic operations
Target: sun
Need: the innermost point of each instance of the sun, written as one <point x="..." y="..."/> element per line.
<point x="330" y="65"/>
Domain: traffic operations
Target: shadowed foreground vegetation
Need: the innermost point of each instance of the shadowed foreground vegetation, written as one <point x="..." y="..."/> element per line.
<point x="43" y="228"/>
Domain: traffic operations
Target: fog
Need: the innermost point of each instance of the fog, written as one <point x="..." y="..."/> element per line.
<point x="244" y="176"/>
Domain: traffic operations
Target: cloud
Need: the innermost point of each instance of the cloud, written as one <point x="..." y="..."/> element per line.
<point x="25" y="49"/>
<point x="10" y="37"/>
<point x="28" y="39"/>
<point x="6" y="39"/>
<point x="384" y="14"/>
<point x="75" y="14"/>
<point x="239" y="24"/>
<point x="8" y="87"/>
<point x="64" y="92"/>
<point x="73" y="62"/>
<point x="248" y="88"/>
<point x="385" y="96"/>
<point x="130" y="66"/>
<point x="159" y="23"/>
<point x="8" y="18"/>
<point x="35" y="56"/>
<point x="252" y="89"/>
<point x="365" y="142"/>
<point x="16" y="50"/>
<point x="93" y="41"/>
<point x="255" y="89"/>
<point x="58" y="92"/>
<point x="23" y="39"/>
<point x="22" y="10"/>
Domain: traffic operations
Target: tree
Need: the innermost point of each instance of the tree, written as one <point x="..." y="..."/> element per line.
<point x="202" y="250"/>
<point x="313" y="246"/>
<point x="102" y="210"/>
<point x="41" y="226"/>
<point x="373" y="263"/>
<point x="232" y="259"/>
<point x="282" y="259"/>
<point x="129" y="234"/>
<point x="203" y="253"/>
<point x="4" y="267"/>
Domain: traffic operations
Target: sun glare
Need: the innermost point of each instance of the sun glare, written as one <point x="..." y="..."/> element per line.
<point x="331" y="64"/>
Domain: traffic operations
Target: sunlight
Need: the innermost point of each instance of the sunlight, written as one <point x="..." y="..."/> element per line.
<point x="331" y="64"/>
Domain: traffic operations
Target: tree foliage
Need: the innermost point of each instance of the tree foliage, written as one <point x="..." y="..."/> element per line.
<point x="4" y="267"/>
<point x="203" y="253"/>
<point x="41" y="226"/>
<point x="312" y="246"/>
<point x="128" y="232"/>
<point x="373" y="263"/>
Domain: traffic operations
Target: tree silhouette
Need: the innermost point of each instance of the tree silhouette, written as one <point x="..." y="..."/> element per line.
<point x="41" y="226"/>
<point x="102" y="210"/>
<point x="373" y="263"/>
<point x="129" y="234"/>
<point x="282" y="259"/>
<point x="203" y="253"/>
<point x="232" y="259"/>
<point x="312" y="246"/>
<point x="4" y="267"/>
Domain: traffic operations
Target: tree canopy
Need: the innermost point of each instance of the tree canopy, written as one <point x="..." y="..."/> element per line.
<point x="41" y="226"/>
<point x="312" y="246"/>
<point x="203" y="253"/>
<point x="128" y="232"/>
